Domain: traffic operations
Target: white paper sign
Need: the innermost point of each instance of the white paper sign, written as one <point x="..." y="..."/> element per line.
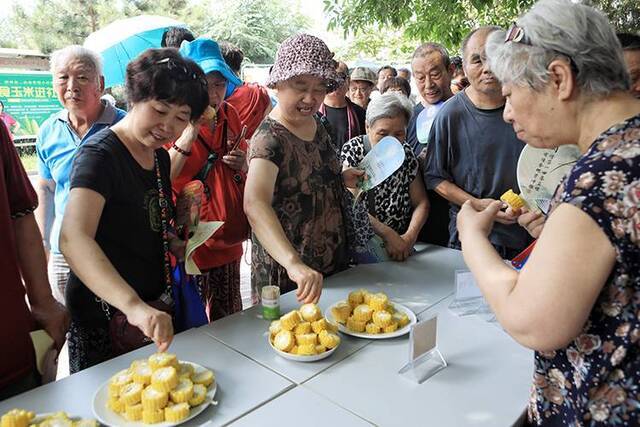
<point x="381" y="162"/>
<point x="202" y="233"/>
<point x="466" y="286"/>
<point x="423" y="338"/>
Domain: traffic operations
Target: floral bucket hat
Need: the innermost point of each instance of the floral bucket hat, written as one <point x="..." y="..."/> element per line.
<point x="304" y="54"/>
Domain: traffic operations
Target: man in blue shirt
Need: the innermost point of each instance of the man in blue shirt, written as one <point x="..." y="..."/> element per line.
<point x="78" y="83"/>
<point x="472" y="153"/>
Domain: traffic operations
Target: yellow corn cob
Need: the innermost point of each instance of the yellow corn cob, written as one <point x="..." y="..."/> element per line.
<point x="320" y="349"/>
<point x="284" y="341"/>
<point x="290" y="320"/>
<point x="176" y="413"/>
<point x="152" y="417"/>
<point x="362" y="312"/>
<point x="390" y="308"/>
<point x="302" y="328"/>
<point x="310" y="312"/>
<point x="182" y="393"/>
<point x="131" y="394"/>
<point x="391" y="327"/>
<point x="341" y="312"/>
<point x="381" y="318"/>
<point x="141" y="373"/>
<point x="355" y="325"/>
<point x="206" y="378"/>
<point x="199" y="394"/>
<point x="164" y="379"/>
<point x="162" y="360"/>
<point x="378" y="301"/>
<point x="116" y="405"/>
<point x="401" y="318"/>
<point x="185" y="370"/>
<point x="17" y="418"/>
<point x="320" y="325"/>
<point x="512" y="199"/>
<point x="275" y="327"/>
<point x="133" y="412"/>
<point x="365" y="296"/>
<point x="355" y="298"/>
<point x="153" y="400"/>
<point x="209" y="114"/>
<point x="372" y="328"/>
<point x="306" y="339"/>
<point x="294" y="350"/>
<point x="306" y="349"/>
<point x="328" y="339"/>
<point x="118" y="380"/>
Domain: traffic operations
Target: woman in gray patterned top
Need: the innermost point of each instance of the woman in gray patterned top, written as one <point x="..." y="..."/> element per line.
<point x="398" y="207"/>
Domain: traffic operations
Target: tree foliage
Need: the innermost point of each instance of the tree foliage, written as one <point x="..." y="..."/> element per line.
<point x="379" y="44"/>
<point x="448" y="21"/>
<point x="256" y="26"/>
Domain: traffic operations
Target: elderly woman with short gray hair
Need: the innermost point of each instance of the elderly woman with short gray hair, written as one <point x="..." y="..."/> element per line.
<point x="398" y="207"/>
<point x="577" y="298"/>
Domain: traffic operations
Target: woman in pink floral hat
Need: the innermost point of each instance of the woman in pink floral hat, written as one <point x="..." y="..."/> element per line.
<point x="294" y="190"/>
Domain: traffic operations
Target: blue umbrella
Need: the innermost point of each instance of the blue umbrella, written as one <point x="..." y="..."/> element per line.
<point x="124" y="39"/>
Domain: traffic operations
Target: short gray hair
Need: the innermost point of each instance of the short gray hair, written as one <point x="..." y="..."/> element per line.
<point x="561" y="29"/>
<point x="62" y="56"/>
<point x="387" y="106"/>
<point x="430" y="47"/>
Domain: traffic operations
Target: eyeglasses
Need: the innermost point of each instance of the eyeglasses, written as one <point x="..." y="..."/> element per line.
<point x="517" y="34"/>
<point x="181" y="72"/>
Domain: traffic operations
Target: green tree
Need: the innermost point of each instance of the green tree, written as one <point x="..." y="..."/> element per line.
<point x="374" y="42"/>
<point x="448" y="21"/>
<point x="255" y="26"/>
<point x="56" y="23"/>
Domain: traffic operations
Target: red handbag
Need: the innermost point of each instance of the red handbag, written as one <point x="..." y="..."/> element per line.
<point x="223" y="189"/>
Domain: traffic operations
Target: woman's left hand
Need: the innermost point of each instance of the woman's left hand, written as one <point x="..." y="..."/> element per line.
<point x="476" y="219"/>
<point x="351" y="176"/>
<point x="54" y="318"/>
<point x="236" y="160"/>
<point x="177" y="246"/>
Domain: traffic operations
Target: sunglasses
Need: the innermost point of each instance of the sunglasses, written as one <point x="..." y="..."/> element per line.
<point x="180" y="72"/>
<point x="517" y="34"/>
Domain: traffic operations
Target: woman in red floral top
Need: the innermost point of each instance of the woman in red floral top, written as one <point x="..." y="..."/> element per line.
<point x="577" y="299"/>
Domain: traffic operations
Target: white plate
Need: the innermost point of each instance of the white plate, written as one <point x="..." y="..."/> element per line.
<point x="110" y="418"/>
<point x="299" y="358"/>
<point x="398" y="333"/>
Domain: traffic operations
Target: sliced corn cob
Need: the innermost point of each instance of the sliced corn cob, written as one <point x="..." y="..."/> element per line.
<point x="199" y="394"/>
<point x="306" y="339"/>
<point x="17" y="418"/>
<point x="306" y="349"/>
<point x="131" y="394"/>
<point x="284" y="341"/>
<point x="206" y="378"/>
<point x="391" y="327"/>
<point x="141" y="373"/>
<point x="362" y="312"/>
<point x="302" y="328"/>
<point x="176" y="413"/>
<point x="381" y="318"/>
<point x="310" y="312"/>
<point x="182" y="393"/>
<point x="153" y="400"/>
<point x="164" y="379"/>
<point x="152" y="417"/>
<point x="341" y="312"/>
<point x="355" y="325"/>
<point x="116" y="405"/>
<point x="512" y="199"/>
<point x="328" y="339"/>
<point x="133" y="412"/>
<point x="355" y="298"/>
<point x="162" y="360"/>
<point x="290" y="320"/>
<point x="378" y="301"/>
<point x="372" y="328"/>
<point x="320" y="325"/>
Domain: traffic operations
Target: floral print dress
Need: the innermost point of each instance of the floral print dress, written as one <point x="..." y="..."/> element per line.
<point x="595" y="380"/>
<point x="307" y="200"/>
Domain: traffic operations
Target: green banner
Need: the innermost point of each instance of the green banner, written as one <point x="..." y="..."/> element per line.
<point x="28" y="98"/>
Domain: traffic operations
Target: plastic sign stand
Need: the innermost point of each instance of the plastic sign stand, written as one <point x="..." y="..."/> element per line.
<point x="425" y="360"/>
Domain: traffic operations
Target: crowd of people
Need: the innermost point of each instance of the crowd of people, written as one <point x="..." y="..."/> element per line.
<point x="96" y="239"/>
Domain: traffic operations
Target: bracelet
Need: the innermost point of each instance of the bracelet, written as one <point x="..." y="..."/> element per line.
<point x="180" y="150"/>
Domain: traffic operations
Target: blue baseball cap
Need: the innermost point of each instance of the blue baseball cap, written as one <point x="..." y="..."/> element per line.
<point x="206" y="53"/>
